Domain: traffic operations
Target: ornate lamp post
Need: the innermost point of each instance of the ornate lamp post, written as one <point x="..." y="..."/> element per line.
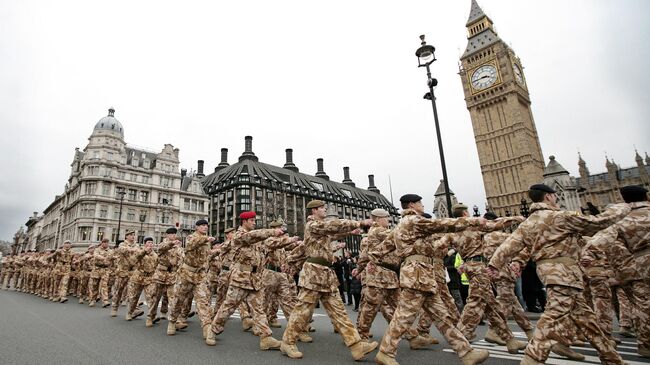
<point x="524" y="208"/>
<point x="120" y="193"/>
<point x="143" y="217"/>
<point x="475" y="209"/>
<point x="426" y="56"/>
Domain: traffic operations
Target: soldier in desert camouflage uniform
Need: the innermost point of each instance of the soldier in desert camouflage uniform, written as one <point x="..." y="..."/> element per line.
<point x="63" y="258"/>
<point x="100" y="275"/>
<point x="598" y="292"/>
<point x="550" y="237"/>
<point x="629" y="242"/>
<point x="170" y="255"/>
<point x="145" y="261"/>
<point x="123" y="257"/>
<point x="418" y="289"/>
<point x="246" y="281"/>
<point x="626" y="319"/>
<point x="85" y="265"/>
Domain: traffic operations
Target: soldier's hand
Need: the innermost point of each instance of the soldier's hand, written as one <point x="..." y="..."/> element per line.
<point x="356" y="231"/>
<point x="370" y="268"/>
<point x="177" y="243"/>
<point x="279" y="232"/>
<point x="492" y="272"/>
<point x="148" y="248"/>
<point x="295" y="239"/>
<point x="366" y="223"/>
<point x="451" y="252"/>
<point x="482" y="222"/>
<point x="517" y="219"/>
<point x="210" y="239"/>
<point x="515" y="268"/>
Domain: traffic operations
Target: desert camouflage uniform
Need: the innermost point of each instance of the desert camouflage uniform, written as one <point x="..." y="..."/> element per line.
<point x="214" y="269"/>
<point x="418" y="280"/>
<point x="86" y="264"/>
<point x="246" y="281"/>
<point x="279" y="288"/>
<point x="7" y="270"/>
<point x="123" y="258"/>
<point x="550" y="237"/>
<point x="190" y="278"/>
<point x="144" y="266"/>
<point x="99" y="277"/>
<point x="63" y="258"/>
<point x="598" y="292"/>
<point x="626" y="319"/>
<point x="627" y="244"/>
<point x="170" y="258"/>
<point x="19" y="261"/>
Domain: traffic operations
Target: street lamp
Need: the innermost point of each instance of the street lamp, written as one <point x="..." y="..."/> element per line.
<point x="120" y="192"/>
<point x="426" y="56"/>
<point x="143" y="217"/>
<point x="475" y="209"/>
<point x="524" y="208"/>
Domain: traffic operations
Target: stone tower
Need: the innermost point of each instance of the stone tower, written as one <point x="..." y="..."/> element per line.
<point x="497" y="98"/>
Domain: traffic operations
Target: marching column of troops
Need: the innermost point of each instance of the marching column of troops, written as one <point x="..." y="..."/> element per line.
<point x="583" y="261"/>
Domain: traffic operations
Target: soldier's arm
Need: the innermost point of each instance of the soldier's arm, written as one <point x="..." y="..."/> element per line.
<point x="501" y="223"/>
<point x="377" y="252"/>
<point x="363" y="255"/>
<point x="195" y="241"/>
<point x="165" y="246"/>
<point x="275" y="243"/>
<point x="588" y="225"/>
<point x="332" y="227"/>
<point x="256" y="235"/>
<point x="426" y="227"/>
<point x="512" y="246"/>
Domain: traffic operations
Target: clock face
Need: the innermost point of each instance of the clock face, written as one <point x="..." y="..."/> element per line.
<point x="484" y="77"/>
<point x="519" y="76"/>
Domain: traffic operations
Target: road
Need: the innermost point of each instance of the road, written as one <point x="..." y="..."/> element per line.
<point x="36" y="331"/>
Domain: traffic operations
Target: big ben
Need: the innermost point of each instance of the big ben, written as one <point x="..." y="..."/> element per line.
<point x="497" y="98"/>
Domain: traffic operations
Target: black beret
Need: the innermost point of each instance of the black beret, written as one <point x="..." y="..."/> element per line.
<point x="201" y="222"/>
<point x="171" y="230"/>
<point x="490" y="216"/>
<point x="542" y="187"/>
<point x="410" y="198"/>
<point x="147" y="239"/>
<point x="427" y="215"/>
<point x="634" y="193"/>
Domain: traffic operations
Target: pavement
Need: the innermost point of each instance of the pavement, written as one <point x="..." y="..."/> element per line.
<point x="36" y="331"/>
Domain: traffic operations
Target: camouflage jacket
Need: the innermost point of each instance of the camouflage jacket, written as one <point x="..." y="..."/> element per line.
<point x="491" y="242"/>
<point x="63" y="259"/>
<point x="197" y="249"/>
<point x="550" y="237"/>
<point x="385" y="267"/>
<point x="248" y="259"/>
<point x="599" y="265"/>
<point x="124" y="259"/>
<point x="145" y="265"/>
<point x="170" y="258"/>
<point x="102" y="258"/>
<point x="88" y="262"/>
<point x="214" y="266"/>
<point x="470" y="243"/>
<point x="317" y="244"/>
<point x="226" y="254"/>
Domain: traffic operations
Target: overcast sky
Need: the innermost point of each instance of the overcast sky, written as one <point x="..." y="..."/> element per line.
<point x="336" y="79"/>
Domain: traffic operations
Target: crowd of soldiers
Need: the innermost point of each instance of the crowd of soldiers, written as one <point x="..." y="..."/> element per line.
<point x="581" y="259"/>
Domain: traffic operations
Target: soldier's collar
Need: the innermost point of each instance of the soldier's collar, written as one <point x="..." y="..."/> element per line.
<point x="406" y="212"/>
<point x="637" y="205"/>
<point x="541" y="206"/>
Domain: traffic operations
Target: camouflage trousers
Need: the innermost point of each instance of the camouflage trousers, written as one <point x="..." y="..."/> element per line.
<point x="234" y="298"/>
<point x="136" y="287"/>
<point x="481" y="300"/>
<point x="510" y="306"/>
<point x="63" y="280"/>
<point x="625" y="309"/>
<point x="182" y="290"/>
<point x="82" y="286"/>
<point x="411" y="302"/>
<point x="120" y="288"/>
<point x="599" y="296"/>
<point x="3" y="275"/>
<point x="567" y="311"/>
<point x="426" y="321"/>
<point x="302" y="312"/>
<point x="159" y="291"/>
<point x="374" y="300"/>
<point x="639" y="294"/>
<point x="279" y="290"/>
<point x="98" y="285"/>
<point x="221" y="289"/>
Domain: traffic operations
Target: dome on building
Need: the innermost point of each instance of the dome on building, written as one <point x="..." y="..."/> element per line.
<point x="554" y="168"/>
<point x="109" y="123"/>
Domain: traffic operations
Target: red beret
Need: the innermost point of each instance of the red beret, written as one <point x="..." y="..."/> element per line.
<point x="247" y="215"/>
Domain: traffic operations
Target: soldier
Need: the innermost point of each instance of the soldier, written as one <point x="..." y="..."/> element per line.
<point x="214" y="269"/>
<point x="246" y="282"/>
<point x="418" y="289"/>
<point x="63" y="258"/>
<point x="318" y="282"/>
<point x="170" y="255"/>
<point x="145" y="264"/>
<point x="99" y="277"/>
<point x="631" y="237"/>
<point x="7" y="271"/>
<point x="550" y="237"/>
<point x="381" y="279"/>
<point x="598" y="274"/>
<point x="626" y="323"/>
<point x="85" y="265"/>
<point x="123" y="257"/>
<point x="191" y="278"/>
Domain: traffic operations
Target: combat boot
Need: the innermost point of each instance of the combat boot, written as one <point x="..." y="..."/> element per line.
<point x="247" y="324"/>
<point x="211" y="338"/>
<point x="432" y="340"/>
<point x="565" y="351"/>
<point x="113" y="312"/>
<point x="270" y="343"/>
<point x="291" y="351"/>
<point x="492" y="337"/>
<point x="514" y="346"/>
<point x="360" y="349"/>
<point x="311" y="329"/>
<point x="128" y="317"/>
<point x="418" y="343"/>
<point x="627" y="332"/>
<point x="527" y="360"/>
<point x="81" y="301"/>
<point x="91" y="304"/>
<point x="138" y="313"/>
<point x="275" y="324"/>
<point x="474" y="357"/>
<point x="171" y="329"/>
<point x="383" y="359"/>
<point x="644" y="351"/>
<point x="304" y="337"/>
<point x="104" y="305"/>
<point x="191" y="314"/>
<point x="206" y="330"/>
<point x="149" y="322"/>
<point x="181" y="325"/>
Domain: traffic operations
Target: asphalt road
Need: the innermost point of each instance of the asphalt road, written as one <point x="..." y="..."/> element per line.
<point x="36" y="331"/>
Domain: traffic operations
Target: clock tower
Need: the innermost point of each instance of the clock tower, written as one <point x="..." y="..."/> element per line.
<point x="497" y="98"/>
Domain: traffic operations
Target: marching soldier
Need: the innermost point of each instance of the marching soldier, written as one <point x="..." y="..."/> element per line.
<point x="145" y="261"/>
<point x="63" y="258"/>
<point x="170" y="255"/>
<point x="85" y="266"/>
<point x="100" y="274"/>
<point x="124" y="269"/>
<point x="550" y="237"/>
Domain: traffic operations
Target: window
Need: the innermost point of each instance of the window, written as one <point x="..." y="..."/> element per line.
<point x="347" y="193"/>
<point x="130" y="215"/>
<point x="145" y="179"/>
<point x="318" y="186"/>
<point x="144" y="196"/>
<point x="93" y="170"/>
<point x="134" y="177"/>
<point x="201" y="207"/>
<point x="90" y="188"/>
<point x="194" y="205"/>
<point x="121" y="175"/>
<point x="132" y="194"/>
<point x="166" y="217"/>
<point x="146" y="164"/>
<point x="116" y="215"/>
<point x="100" y="233"/>
<point x="165" y="198"/>
<point x="134" y="162"/>
<point x="106" y="189"/>
<point x="164" y="181"/>
<point x="103" y="211"/>
<point x="109" y="156"/>
<point x="84" y="233"/>
<point x="87" y="210"/>
<point x="186" y="204"/>
<point x="96" y="155"/>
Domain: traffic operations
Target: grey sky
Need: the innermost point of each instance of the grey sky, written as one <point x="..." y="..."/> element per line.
<point x="334" y="79"/>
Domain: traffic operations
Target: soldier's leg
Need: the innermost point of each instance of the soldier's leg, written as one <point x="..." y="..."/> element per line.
<point x="339" y="317"/>
<point x="168" y="294"/>
<point x="410" y="304"/>
<point x="301" y="315"/>
<point x="260" y="321"/>
<point x="103" y="287"/>
<point x="509" y="305"/>
<point x="287" y="297"/>
<point x="222" y="288"/>
<point x="187" y="306"/>
<point x="625" y="316"/>
<point x="373" y="299"/>
<point x="445" y="325"/>
<point x="601" y="295"/>
<point x="234" y="297"/>
<point x="121" y="284"/>
<point x="182" y="290"/>
<point x="639" y="295"/>
<point x="134" y="292"/>
<point x="156" y="291"/>
<point x="479" y="289"/>
<point x="63" y="286"/>
<point x="202" y="299"/>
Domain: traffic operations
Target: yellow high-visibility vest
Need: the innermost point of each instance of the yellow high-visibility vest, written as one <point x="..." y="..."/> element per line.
<point x="463" y="277"/>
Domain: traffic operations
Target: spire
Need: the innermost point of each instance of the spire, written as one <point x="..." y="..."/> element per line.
<point x="554" y="168"/>
<point x="480" y="32"/>
<point x="475" y="13"/>
<point x="647" y="159"/>
<point x="638" y="157"/>
<point x="581" y="162"/>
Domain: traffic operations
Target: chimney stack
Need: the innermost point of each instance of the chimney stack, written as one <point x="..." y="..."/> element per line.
<point x="371" y="184"/>
<point x="248" y="150"/>
<point x="199" y="172"/>
<point x="320" y="171"/>
<point x="346" y="176"/>
<point x="224" y="160"/>
<point x="289" y="165"/>
<point x="183" y="173"/>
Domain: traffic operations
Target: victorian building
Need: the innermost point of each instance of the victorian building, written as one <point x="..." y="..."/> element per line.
<point x="114" y="187"/>
<point x="282" y="192"/>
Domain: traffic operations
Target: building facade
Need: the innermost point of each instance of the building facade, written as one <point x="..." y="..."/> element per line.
<point x="496" y="94"/>
<point x="440" y="201"/>
<point x="283" y="192"/>
<point x="114" y="185"/>
<point x="566" y="187"/>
